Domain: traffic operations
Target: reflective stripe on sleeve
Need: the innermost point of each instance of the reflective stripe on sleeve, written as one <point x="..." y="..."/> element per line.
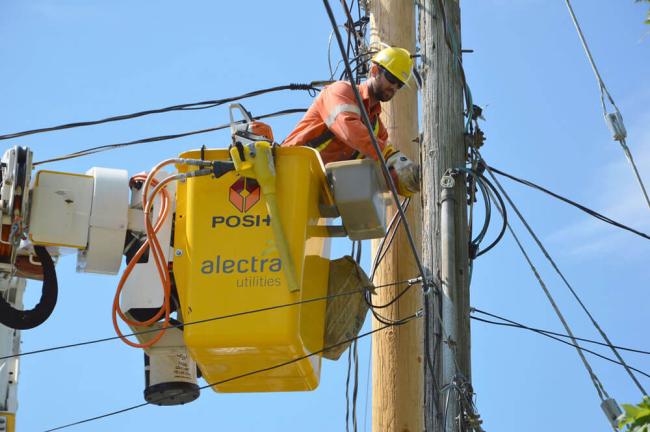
<point x="338" y="110"/>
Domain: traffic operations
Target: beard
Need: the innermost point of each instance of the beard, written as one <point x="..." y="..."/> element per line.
<point x="382" y="95"/>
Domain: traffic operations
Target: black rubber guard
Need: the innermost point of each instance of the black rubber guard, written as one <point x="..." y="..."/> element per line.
<point x="28" y="319"/>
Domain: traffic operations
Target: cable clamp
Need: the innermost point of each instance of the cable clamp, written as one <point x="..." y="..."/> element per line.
<point x="615" y="123"/>
<point x="426" y="287"/>
<point x="419" y="313"/>
<point x="414" y="280"/>
<point x="447" y="181"/>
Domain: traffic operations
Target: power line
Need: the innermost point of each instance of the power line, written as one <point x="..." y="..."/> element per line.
<point x="217" y="318"/>
<point x="426" y="282"/>
<point x="587" y="210"/>
<point x="564" y="279"/>
<point x="602" y="393"/>
<point x="484" y="184"/>
<point x="375" y="144"/>
<point x="108" y="147"/>
<point x="234" y="378"/>
<point x="511" y="323"/>
<point x="182" y="107"/>
<point x="549" y="335"/>
<point x="614" y="120"/>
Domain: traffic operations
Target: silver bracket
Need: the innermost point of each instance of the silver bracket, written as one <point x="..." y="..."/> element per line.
<point x="447" y="181"/>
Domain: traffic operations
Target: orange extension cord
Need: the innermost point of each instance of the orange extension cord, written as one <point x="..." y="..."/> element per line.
<point x="156" y="254"/>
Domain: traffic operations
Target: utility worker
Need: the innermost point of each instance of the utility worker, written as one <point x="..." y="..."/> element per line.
<point x="333" y="124"/>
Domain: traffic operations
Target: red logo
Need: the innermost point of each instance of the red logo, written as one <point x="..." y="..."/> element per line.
<point x="244" y="194"/>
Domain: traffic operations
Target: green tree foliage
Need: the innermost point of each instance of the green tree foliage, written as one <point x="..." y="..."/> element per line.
<point x="636" y="417"/>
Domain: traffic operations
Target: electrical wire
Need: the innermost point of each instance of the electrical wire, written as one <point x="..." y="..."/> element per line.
<point x="368" y="370"/>
<point x="355" y="389"/>
<point x="206" y="320"/>
<point x="353" y="362"/>
<point x="383" y="248"/>
<point x="566" y="282"/>
<point x="504" y="214"/>
<point x="615" y="121"/>
<point x="353" y="359"/>
<point x="549" y="335"/>
<point x="602" y="393"/>
<point x="107" y="147"/>
<point x="347" y="390"/>
<point x="234" y="378"/>
<point x="380" y="157"/>
<point x="484" y="185"/>
<point x="587" y="210"/>
<point x="511" y="323"/>
<point x="182" y="107"/>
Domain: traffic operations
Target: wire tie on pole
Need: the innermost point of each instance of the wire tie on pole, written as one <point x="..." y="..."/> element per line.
<point x="426" y="287"/>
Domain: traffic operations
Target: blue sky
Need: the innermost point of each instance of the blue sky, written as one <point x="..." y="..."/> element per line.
<point x="70" y="60"/>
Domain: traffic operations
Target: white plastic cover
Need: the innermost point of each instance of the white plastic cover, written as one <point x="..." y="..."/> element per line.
<point x="60" y="212"/>
<point x="108" y="222"/>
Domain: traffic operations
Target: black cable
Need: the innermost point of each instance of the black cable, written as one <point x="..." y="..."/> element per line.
<point x="487" y="202"/>
<point x="349" y="27"/>
<point x="387" y="321"/>
<point x="392" y="228"/>
<point x="428" y="355"/>
<point x="108" y="147"/>
<point x="484" y="183"/>
<point x="247" y="374"/>
<point x="355" y="388"/>
<point x="181" y="107"/>
<point x="587" y="210"/>
<point x="347" y="391"/>
<point x="375" y="144"/>
<point x="503" y="212"/>
<point x="217" y="318"/>
<point x="392" y="301"/>
<point x="567" y="343"/>
<point x="383" y="248"/>
<point x="511" y="323"/>
<point x="569" y="287"/>
<point x="28" y="319"/>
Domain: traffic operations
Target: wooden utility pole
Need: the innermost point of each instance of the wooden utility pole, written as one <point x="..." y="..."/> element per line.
<point x="397" y="392"/>
<point x="445" y="209"/>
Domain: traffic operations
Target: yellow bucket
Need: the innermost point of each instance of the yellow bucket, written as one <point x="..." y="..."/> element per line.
<point x="226" y="262"/>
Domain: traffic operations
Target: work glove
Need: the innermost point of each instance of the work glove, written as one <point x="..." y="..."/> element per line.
<point x="405" y="173"/>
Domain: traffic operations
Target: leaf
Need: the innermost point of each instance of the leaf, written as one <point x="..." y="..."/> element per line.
<point x="632" y="411"/>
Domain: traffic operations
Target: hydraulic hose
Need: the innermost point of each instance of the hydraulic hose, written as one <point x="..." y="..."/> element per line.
<point x="28" y="319"/>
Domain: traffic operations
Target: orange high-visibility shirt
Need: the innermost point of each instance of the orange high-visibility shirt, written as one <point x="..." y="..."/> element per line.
<point x="334" y="127"/>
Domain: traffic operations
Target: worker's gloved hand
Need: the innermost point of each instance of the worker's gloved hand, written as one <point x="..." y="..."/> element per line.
<point x="405" y="173"/>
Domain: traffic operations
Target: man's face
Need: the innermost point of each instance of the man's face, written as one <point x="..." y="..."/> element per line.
<point x="385" y="85"/>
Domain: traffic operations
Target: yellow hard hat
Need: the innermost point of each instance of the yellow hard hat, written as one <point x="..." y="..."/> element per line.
<point x="397" y="61"/>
